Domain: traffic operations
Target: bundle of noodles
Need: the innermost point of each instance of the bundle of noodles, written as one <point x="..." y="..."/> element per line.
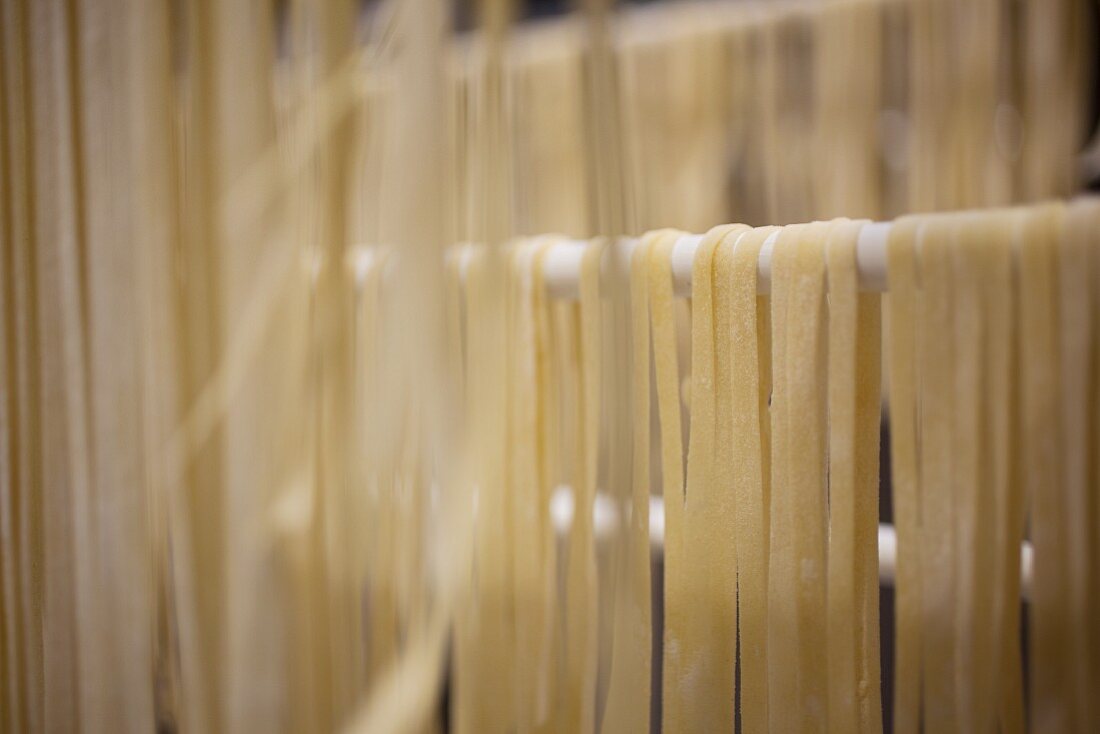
<point x="791" y="111"/>
<point x="215" y="494"/>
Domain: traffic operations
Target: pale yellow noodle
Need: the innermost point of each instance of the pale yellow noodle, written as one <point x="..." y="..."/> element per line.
<point x="1049" y="634"/>
<point x="797" y="690"/>
<point x="902" y="305"/>
<point x="750" y="392"/>
<point x="666" y="369"/>
<point x="708" y="646"/>
<point x="628" y="699"/>
<point x="938" y="548"/>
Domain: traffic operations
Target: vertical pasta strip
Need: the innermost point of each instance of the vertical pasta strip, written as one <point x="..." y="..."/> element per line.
<point x="155" y="140"/>
<point x="782" y="570"/>
<point x="581" y="590"/>
<point x="334" y="34"/>
<point x="1090" y="229"/>
<point x="708" y="648"/>
<point x="666" y="369"/>
<point x="8" y="676"/>
<point x="723" y="503"/>
<point x="628" y="699"/>
<point x="806" y="371"/>
<point x="565" y="320"/>
<point x="968" y="476"/>
<point x="853" y="490"/>
<point x="484" y="646"/>
<point x="453" y="296"/>
<point x="926" y="83"/>
<point x="742" y="325"/>
<point x="381" y="605"/>
<point x="259" y="436"/>
<point x="116" y="695"/>
<point x="529" y="505"/>
<point x="1007" y="508"/>
<point x="868" y="441"/>
<point x="497" y="581"/>
<point x="937" y="500"/>
<point x="1077" y="332"/>
<point x="20" y="638"/>
<point x="843" y="645"/>
<point x="847" y="82"/>
<point x="520" y="470"/>
<point x="550" y="460"/>
<point x="1049" y="636"/>
<point x="463" y="641"/>
<point x="990" y="235"/>
<point x="63" y="422"/>
<point x="797" y="574"/>
<point x="1094" y="234"/>
<point x="198" y="526"/>
<point x="902" y="303"/>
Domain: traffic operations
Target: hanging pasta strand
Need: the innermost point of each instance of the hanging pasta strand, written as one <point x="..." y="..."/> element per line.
<point x="847" y="84"/>
<point x="43" y="586"/>
<point x="750" y="393"/>
<point x="381" y="627"/>
<point x="902" y="306"/>
<point x="782" y="607"/>
<point x="938" y="547"/>
<point x="629" y="689"/>
<point x="1002" y="664"/>
<point x="868" y="436"/>
<point x="550" y="458"/>
<point x="530" y="504"/>
<point x="854" y="354"/>
<point x="484" y="661"/>
<point x="581" y="624"/>
<point x="489" y="651"/>
<point x="22" y="605"/>
<point x="1051" y="80"/>
<point x="667" y="375"/>
<point x="796" y="623"/>
<point x="843" y="598"/>
<point x="1076" y="332"/>
<point x="1050" y="707"/>
<point x="1082" y="219"/>
<point x="333" y="307"/>
<point x="1095" y="508"/>
<point x="973" y="541"/>
<point x="708" y="647"/>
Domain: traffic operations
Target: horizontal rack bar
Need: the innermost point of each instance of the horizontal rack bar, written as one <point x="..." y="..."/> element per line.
<point x="562" y="266"/>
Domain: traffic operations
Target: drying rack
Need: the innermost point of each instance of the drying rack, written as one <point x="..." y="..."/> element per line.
<point x="561" y="269"/>
<point x="562" y="265"/>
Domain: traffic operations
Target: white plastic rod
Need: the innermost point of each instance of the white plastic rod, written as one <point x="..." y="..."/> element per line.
<point x="606" y="521"/>
<point x="562" y="266"/>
